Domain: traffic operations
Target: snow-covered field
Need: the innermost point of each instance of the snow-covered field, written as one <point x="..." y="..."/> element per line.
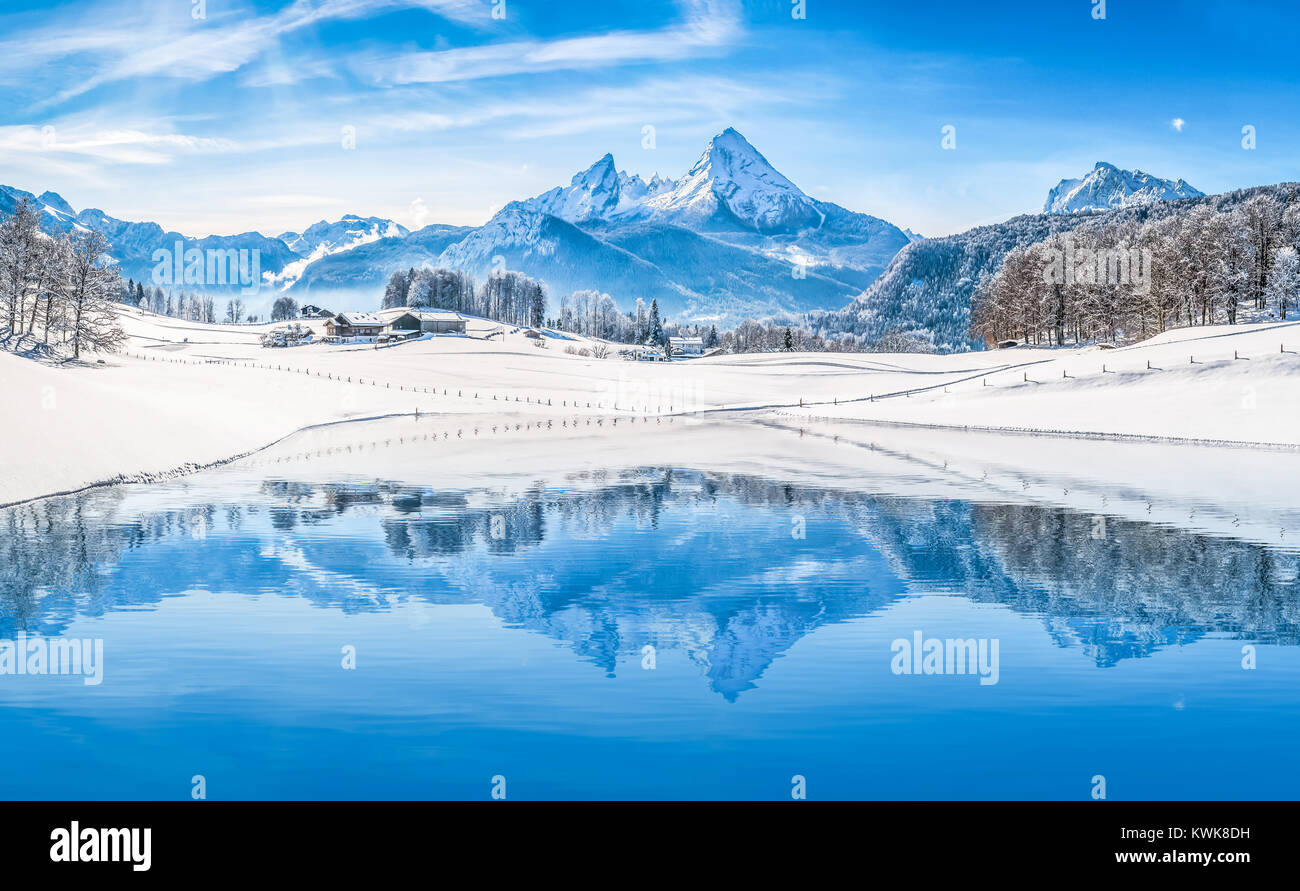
<point x="185" y="395"/>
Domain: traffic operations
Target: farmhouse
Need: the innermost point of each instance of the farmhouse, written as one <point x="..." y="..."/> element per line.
<point x="687" y="346"/>
<point x="355" y="324"/>
<point x="311" y="311"/>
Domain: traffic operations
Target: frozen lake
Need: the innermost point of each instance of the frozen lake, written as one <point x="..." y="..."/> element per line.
<point x="645" y="632"/>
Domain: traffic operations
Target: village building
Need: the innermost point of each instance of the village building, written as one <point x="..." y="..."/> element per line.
<point x="405" y="321"/>
<point x="355" y="324"/>
<point x="687" y="346"/>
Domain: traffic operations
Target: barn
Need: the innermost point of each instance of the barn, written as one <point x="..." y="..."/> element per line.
<point x="425" y="321"/>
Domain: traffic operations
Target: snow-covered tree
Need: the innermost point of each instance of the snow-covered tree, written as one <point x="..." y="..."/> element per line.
<point x="20" y="260"/>
<point x="89" y="289"/>
<point x="1284" y="282"/>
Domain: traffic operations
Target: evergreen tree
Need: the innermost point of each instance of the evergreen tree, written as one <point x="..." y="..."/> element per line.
<point x="654" y="327"/>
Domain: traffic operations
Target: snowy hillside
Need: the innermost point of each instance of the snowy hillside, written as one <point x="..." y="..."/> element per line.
<point x="928" y="286"/>
<point x="166" y="404"/>
<point x="1107" y="187"/>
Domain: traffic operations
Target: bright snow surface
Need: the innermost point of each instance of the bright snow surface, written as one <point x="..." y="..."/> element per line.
<point x="186" y="395"/>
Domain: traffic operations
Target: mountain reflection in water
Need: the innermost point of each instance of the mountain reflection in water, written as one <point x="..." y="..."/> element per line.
<point x="731" y="570"/>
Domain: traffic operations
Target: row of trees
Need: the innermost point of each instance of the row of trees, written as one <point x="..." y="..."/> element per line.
<point x="517" y="299"/>
<point x="595" y="314"/>
<point x="752" y="336"/>
<point x="1121" y="279"/>
<point x="190" y="307"/>
<point x="65" y="285"/>
<point x="509" y="297"/>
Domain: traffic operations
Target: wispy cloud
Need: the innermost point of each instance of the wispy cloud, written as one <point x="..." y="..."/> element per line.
<point x="564" y="110"/>
<point x="708" y="24"/>
<point x="120" y="145"/>
<point x="117" y="45"/>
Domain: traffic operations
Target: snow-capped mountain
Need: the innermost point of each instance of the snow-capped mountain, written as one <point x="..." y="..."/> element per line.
<point x="321" y="239"/>
<point x="133" y="245"/>
<point x="56" y="214"/>
<point x="360" y="272"/>
<point x="732" y="238"/>
<point x="733" y="179"/>
<point x="349" y="231"/>
<point x="1107" y="187"/>
<point x="599" y="192"/>
<point x="746" y="240"/>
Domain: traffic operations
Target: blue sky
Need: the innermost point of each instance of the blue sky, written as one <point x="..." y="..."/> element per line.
<point x="228" y="115"/>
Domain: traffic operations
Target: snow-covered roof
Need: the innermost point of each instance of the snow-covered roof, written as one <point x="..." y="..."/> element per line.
<point x="686" y="340"/>
<point x="360" y="318"/>
<point x="424" y="315"/>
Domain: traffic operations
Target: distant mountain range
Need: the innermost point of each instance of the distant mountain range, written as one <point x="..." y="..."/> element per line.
<point x="133" y="244"/>
<point x="733" y="238"/>
<point x="1107" y="187"/>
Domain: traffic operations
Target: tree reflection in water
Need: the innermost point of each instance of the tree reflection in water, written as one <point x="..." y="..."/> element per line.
<point x="612" y="562"/>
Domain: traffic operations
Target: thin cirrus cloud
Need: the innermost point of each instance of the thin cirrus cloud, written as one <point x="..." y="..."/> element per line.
<point x="122" y="145"/>
<point x="564" y="110"/>
<point x="121" y="43"/>
<point x="707" y="24"/>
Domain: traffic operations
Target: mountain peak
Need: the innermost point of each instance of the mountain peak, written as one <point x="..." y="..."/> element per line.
<point x="56" y="201"/>
<point x="325" y="237"/>
<point x="592" y="194"/>
<point x="732" y="177"/>
<point x="730" y="151"/>
<point x="1107" y="187"/>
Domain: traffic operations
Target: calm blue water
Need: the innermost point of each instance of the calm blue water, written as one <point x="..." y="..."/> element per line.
<point x="500" y="633"/>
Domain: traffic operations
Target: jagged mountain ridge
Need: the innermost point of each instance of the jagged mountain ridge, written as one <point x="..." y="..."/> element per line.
<point x="132" y="244"/>
<point x="1107" y="187"/>
<point x="745" y="242"/>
